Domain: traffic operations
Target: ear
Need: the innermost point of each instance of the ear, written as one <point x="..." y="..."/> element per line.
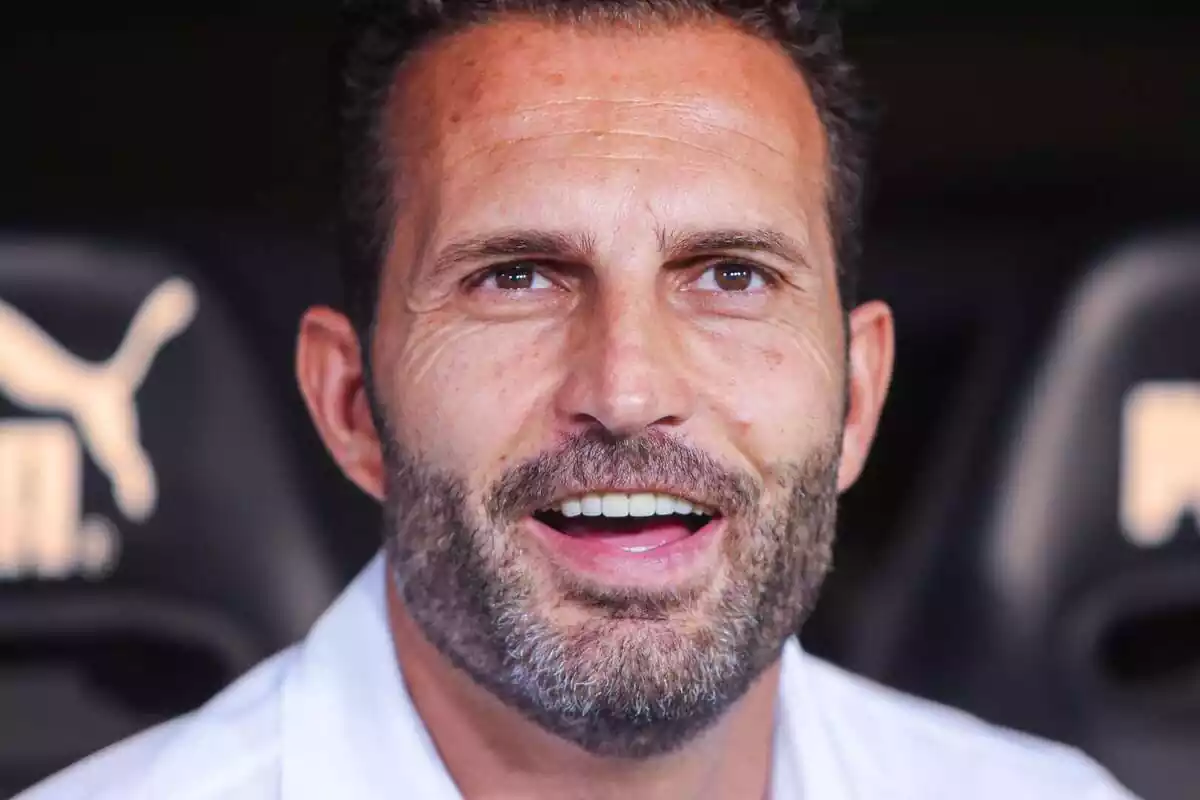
<point x="329" y="369"/>
<point x="872" y="348"/>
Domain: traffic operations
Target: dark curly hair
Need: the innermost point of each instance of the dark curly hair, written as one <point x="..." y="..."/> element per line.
<point x="377" y="36"/>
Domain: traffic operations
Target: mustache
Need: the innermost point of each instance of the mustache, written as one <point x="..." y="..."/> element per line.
<point x="594" y="460"/>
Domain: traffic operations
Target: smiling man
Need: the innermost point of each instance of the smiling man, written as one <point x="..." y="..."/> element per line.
<point x="602" y="367"/>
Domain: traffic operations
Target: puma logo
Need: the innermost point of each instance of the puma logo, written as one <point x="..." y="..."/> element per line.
<point x="40" y="374"/>
<point x="1160" y="462"/>
<point x="42" y="529"/>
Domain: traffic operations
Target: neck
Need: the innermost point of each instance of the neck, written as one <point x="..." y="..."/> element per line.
<point x="491" y="750"/>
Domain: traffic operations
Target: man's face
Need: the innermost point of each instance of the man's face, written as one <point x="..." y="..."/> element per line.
<point x="610" y="295"/>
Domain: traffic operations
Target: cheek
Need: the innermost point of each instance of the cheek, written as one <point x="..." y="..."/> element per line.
<point x="777" y="388"/>
<point x="467" y="394"/>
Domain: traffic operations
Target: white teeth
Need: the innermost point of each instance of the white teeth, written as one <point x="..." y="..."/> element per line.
<point x="616" y="505"/>
<point x="592" y="505"/>
<point x="642" y="505"/>
<point x="623" y="504"/>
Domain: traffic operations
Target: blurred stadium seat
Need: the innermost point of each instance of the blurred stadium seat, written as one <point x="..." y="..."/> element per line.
<point x="157" y="536"/>
<point x="1050" y="579"/>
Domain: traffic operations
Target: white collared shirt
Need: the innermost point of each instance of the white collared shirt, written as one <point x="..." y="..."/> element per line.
<point x="330" y="719"/>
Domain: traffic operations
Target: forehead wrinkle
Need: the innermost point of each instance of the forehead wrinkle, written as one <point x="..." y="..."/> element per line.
<point x="700" y="115"/>
<point x="631" y="191"/>
<point x="519" y="140"/>
<point x="780" y="211"/>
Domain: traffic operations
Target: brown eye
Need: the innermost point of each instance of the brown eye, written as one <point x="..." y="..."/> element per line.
<point x="734" y="279"/>
<point x="730" y="277"/>
<point x="517" y="278"/>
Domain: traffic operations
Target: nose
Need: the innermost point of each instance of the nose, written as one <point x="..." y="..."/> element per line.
<point x="627" y="372"/>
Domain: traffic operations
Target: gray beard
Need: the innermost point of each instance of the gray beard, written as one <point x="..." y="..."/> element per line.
<point x="646" y="671"/>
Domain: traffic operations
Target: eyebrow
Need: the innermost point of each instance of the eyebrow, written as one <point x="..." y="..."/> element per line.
<point x="581" y="247"/>
<point x="680" y="245"/>
<point x="515" y="244"/>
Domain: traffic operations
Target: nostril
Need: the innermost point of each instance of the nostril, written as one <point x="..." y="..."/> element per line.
<point x="625" y="401"/>
<point x="610" y="431"/>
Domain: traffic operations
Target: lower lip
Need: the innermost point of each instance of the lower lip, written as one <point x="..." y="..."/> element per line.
<point x="631" y="560"/>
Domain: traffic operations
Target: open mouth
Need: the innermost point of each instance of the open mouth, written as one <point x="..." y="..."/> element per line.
<point x="635" y="522"/>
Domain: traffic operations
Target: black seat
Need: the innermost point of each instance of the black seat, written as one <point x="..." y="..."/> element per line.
<point x="155" y="538"/>
<point x="1052" y="581"/>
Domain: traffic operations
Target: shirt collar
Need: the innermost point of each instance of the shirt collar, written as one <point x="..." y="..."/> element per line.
<point x="349" y="729"/>
<point x="807" y="761"/>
